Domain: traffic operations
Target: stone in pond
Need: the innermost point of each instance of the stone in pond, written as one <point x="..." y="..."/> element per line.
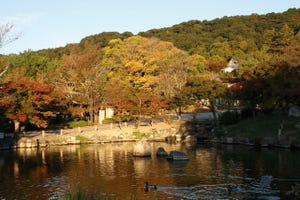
<point x="161" y="152"/>
<point x="177" y="155"/>
<point x="141" y="149"/>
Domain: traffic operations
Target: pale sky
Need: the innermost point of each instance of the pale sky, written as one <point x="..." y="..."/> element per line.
<point x="45" y="24"/>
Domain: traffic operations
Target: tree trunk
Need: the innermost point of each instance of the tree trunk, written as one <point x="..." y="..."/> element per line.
<point x="138" y="120"/>
<point x="16" y="128"/>
<point x="179" y="112"/>
<point x="92" y="116"/>
<point x="213" y="111"/>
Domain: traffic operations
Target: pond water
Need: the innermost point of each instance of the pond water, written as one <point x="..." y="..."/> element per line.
<point x="109" y="171"/>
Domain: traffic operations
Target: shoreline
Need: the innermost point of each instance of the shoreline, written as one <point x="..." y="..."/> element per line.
<point x="159" y="132"/>
<point x="156" y="133"/>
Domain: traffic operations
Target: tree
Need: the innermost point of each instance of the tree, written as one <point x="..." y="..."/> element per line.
<point x="263" y="88"/>
<point x="25" y="100"/>
<point x="278" y="41"/>
<point x="205" y="87"/>
<point x="81" y="78"/>
<point x="35" y="65"/>
<point x="146" y="72"/>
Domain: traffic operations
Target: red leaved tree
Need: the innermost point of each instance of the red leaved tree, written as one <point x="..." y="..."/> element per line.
<point x="27" y="101"/>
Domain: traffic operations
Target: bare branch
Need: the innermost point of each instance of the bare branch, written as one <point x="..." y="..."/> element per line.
<point x="3" y="72"/>
<point x="4" y="34"/>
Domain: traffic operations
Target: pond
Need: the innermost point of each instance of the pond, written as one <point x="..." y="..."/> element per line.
<point x="109" y="171"/>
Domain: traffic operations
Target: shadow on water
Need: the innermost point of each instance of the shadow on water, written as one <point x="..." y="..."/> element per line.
<point x="177" y="164"/>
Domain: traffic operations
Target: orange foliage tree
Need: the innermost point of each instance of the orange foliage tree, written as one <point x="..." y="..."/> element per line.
<point x="81" y="78"/>
<point x="27" y="101"/>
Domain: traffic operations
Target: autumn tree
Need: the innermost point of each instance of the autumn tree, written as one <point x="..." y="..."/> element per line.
<point x="81" y="78"/>
<point x="25" y="100"/>
<point x="149" y="72"/>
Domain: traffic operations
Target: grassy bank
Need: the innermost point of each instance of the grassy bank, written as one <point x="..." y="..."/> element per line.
<point x="264" y="126"/>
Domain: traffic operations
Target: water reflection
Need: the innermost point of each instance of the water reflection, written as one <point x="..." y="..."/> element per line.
<point x="111" y="170"/>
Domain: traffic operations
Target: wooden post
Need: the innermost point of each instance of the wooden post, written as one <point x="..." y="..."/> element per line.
<point x="279" y="133"/>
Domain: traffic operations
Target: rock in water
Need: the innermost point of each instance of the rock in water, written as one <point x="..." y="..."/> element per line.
<point x="177" y="155"/>
<point x="161" y="152"/>
<point x="141" y="149"/>
<point x="265" y="181"/>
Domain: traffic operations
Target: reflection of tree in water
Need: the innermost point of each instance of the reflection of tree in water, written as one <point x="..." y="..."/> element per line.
<point x="31" y="175"/>
<point x="111" y="169"/>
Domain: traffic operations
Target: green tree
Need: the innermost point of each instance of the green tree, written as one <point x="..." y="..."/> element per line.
<point x="203" y="87"/>
<point x="278" y="41"/>
<point x="36" y="66"/>
<point x="261" y="88"/>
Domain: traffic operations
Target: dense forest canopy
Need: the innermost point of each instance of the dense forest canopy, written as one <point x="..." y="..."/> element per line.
<point x="195" y="35"/>
<point x="158" y="70"/>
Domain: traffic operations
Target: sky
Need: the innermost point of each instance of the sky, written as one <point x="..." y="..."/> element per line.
<point x="42" y="24"/>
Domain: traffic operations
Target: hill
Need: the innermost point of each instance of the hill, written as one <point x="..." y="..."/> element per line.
<point x="196" y="35"/>
<point x="200" y="37"/>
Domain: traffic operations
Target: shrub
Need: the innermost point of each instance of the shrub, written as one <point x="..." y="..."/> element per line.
<point x="168" y="119"/>
<point x="296" y="191"/>
<point x="248" y="112"/>
<point x="139" y="135"/>
<point x="82" y="195"/>
<point x="81" y="138"/>
<point x="78" y="123"/>
<point x="229" y="117"/>
<point x="108" y="121"/>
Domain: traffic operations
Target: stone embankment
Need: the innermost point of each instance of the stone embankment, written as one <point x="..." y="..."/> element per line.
<point x="264" y="142"/>
<point x="175" y="132"/>
<point x="156" y="132"/>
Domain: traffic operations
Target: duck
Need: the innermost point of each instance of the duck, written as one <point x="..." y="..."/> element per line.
<point x="149" y="187"/>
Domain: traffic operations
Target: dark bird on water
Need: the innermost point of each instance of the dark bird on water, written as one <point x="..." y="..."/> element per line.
<point x="149" y="187"/>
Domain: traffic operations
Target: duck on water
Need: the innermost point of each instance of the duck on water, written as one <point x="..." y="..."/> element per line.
<point x="149" y="187"/>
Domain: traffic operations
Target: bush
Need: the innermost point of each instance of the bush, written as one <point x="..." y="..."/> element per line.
<point x="229" y="117"/>
<point x="81" y="138"/>
<point x="78" y="123"/>
<point x="296" y="191"/>
<point x="82" y="195"/>
<point x="108" y="121"/>
<point x="169" y="119"/>
<point x="248" y="112"/>
<point x="139" y="135"/>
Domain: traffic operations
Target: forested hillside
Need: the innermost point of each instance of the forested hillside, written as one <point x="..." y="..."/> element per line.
<point x="199" y="36"/>
<point x="156" y="71"/>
